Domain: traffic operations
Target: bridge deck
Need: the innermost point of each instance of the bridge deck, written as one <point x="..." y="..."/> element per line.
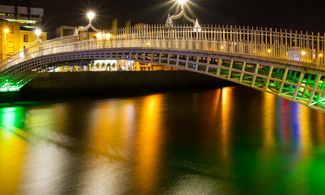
<point x="285" y="63"/>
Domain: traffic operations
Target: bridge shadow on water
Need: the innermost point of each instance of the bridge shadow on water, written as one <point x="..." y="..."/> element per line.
<point x="55" y="86"/>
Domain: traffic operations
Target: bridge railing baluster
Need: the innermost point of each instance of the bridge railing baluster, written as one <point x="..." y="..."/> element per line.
<point x="261" y="42"/>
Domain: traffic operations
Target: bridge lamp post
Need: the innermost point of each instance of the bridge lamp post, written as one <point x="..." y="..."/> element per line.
<point x="170" y="19"/>
<point x="91" y="16"/>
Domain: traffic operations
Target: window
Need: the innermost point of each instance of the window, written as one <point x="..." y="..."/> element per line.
<point x="25" y="38"/>
<point x="10" y="47"/>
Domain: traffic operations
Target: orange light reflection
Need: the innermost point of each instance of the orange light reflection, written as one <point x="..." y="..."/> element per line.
<point x="226" y="121"/>
<point x="148" y="144"/>
<point x="268" y="120"/>
<point x="305" y="130"/>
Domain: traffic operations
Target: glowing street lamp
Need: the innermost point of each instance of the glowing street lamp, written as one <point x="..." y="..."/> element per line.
<point x="38" y="33"/>
<point x="303" y="53"/>
<point x="108" y="36"/>
<point x="91" y="15"/>
<point x="181" y="2"/>
<point x="6" y="30"/>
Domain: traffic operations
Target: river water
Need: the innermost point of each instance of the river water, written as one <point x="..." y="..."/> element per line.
<point x="231" y="140"/>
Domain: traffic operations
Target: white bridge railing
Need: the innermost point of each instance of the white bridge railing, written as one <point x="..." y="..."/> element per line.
<point x="306" y="49"/>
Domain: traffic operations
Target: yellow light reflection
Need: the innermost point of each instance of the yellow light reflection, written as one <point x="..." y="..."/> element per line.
<point x="268" y="120"/>
<point x="148" y="144"/>
<point x="226" y="121"/>
<point x="106" y="134"/>
<point x="13" y="148"/>
<point x="305" y="134"/>
<point x="109" y="148"/>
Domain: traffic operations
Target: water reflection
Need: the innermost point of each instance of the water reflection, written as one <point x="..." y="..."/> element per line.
<point x="230" y="140"/>
<point x="268" y="119"/>
<point x="13" y="137"/>
<point x="149" y="144"/>
<point x="226" y="115"/>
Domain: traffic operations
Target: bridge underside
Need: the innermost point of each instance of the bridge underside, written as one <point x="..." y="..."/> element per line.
<point x="291" y="82"/>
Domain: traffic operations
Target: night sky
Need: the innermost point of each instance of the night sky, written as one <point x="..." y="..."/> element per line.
<point x="307" y="15"/>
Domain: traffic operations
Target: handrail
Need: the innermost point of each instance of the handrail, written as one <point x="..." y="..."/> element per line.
<point x="306" y="48"/>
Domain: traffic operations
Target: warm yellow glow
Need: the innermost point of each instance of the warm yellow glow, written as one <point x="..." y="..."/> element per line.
<point x="269" y="51"/>
<point x="38" y="32"/>
<point x="91" y="15"/>
<point x="303" y="53"/>
<point x="148" y="143"/>
<point x="12" y="41"/>
<point x="268" y="121"/>
<point x="222" y="47"/>
<point x="181" y="2"/>
<point x="108" y="35"/>
<point x="99" y="36"/>
<point x="305" y="128"/>
<point x="226" y="107"/>
<point x="6" y="30"/>
<point x="13" y="149"/>
<point x="320" y="55"/>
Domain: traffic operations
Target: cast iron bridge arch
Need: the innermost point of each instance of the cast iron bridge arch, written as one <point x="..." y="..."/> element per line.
<point x="285" y="63"/>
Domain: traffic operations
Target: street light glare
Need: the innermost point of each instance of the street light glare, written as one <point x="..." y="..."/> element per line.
<point x="91" y="15"/>
<point x="181" y="2"/>
<point x="6" y="30"/>
<point x="38" y="32"/>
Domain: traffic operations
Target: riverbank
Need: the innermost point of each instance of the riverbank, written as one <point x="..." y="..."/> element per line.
<point x="94" y="84"/>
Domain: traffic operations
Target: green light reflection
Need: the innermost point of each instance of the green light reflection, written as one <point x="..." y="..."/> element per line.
<point x="12" y="122"/>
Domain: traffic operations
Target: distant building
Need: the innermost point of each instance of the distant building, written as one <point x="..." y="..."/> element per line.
<point x="63" y="31"/>
<point x="28" y="16"/>
<point x="17" y="25"/>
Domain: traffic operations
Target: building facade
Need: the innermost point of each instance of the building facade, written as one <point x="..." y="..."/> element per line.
<point x="17" y="25"/>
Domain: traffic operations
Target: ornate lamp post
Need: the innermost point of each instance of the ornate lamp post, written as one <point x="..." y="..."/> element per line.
<point x="90" y="15"/>
<point x="170" y="19"/>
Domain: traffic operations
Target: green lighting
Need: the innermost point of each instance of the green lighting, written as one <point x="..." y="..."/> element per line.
<point x="12" y="122"/>
<point x="11" y="86"/>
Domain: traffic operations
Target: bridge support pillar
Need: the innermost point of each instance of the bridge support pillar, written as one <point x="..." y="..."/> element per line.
<point x="302" y="74"/>
<point x="314" y="89"/>
<point x="242" y="72"/>
<point x="283" y="80"/>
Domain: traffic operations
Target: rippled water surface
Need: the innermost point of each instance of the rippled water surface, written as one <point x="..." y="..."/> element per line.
<point x="225" y="141"/>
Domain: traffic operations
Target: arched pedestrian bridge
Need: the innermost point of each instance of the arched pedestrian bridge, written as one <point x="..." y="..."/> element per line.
<point x="285" y="63"/>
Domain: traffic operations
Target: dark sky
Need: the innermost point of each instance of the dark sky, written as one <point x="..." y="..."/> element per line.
<point x="291" y="14"/>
